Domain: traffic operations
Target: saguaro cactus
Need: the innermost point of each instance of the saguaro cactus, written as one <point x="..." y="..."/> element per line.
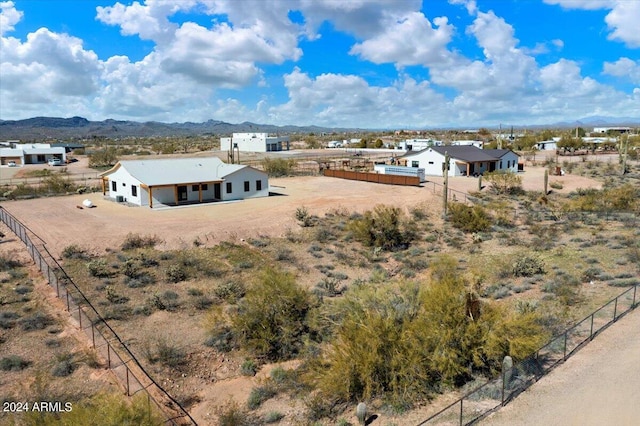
<point x="507" y="371"/>
<point x="361" y="412"/>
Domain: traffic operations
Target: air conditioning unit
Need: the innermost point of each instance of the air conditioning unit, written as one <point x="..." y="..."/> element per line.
<point x="120" y="198"/>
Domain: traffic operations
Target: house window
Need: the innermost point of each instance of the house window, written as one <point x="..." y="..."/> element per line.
<point x="204" y="186"/>
<point x="501" y="164"/>
<point x="247" y="186"/>
<point x="195" y="188"/>
<point x="258" y="185"/>
<point x="114" y="185"/>
<point x="415" y="164"/>
<point x="430" y="162"/>
<point x="134" y="191"/>
<point x="229" y="188"/>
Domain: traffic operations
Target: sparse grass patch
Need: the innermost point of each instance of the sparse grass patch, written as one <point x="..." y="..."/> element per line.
<point x="13" y="363"/>
<point x="36" y="321"/>
<point x="137" y="241"/>
<point x="259" y="395"/>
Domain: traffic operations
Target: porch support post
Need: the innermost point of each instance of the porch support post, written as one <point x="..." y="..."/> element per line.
<point x="200" y="192"/>
<point x="175" y="193"/>
<point x="468" y="169"/>
<point x="104" y="189"/>
<point x="150" y="197"/>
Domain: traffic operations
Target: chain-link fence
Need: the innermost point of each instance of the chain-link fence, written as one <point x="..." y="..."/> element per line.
<point x="500" y="390"/>
<point x="104" y="339"/>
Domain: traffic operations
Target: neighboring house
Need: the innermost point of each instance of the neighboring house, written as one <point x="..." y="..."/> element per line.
<point x="417" y="144"/>
<point x="548" y="145"/>
<point x="182" y="181"/>
<point x="463" y="160"/>
<point x="255" y="142"/>
<point x="477" y="144"/>
<point x="68" y="146"/>
<point x="38" y="153"/>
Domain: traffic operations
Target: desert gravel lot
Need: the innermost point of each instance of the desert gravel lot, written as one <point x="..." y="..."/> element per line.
<point x="60" y="223"/>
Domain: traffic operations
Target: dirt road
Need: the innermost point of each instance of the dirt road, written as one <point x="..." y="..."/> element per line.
<point x="599" y="386"/>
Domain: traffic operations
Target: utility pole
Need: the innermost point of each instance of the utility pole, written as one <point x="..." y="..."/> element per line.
<point x="624" y="155"/>
<point x="445" y="171"/>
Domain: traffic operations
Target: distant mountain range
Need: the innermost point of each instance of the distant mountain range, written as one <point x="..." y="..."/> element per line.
<point x="78" y="128"/>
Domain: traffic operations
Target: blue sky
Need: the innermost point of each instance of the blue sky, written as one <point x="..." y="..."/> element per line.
<point x="337" y="63"/>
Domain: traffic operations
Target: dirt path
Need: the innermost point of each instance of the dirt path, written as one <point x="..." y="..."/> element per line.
<point x="600" y="385"/>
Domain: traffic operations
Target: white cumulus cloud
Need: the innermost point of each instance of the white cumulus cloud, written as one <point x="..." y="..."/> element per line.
<point x="624" y="68"/>
<point x="9" y="16"/>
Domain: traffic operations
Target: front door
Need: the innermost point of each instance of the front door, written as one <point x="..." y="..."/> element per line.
<point x="216" y="191"/>
<point x="182" y="193"/>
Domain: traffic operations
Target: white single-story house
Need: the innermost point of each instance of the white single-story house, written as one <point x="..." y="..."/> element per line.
<point x="255" y="142"/>
<point x="182" y="181"/>
<point x="477" y="144"/>
<point x="548" y="145"/>
<point x="38" y="153"/>
<point x="463" y="160"/>
<point x="417" y="144"/>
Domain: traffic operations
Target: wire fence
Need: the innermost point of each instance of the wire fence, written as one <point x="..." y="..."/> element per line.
<point x="119" y="359"/>
<point x="499" y="391"/>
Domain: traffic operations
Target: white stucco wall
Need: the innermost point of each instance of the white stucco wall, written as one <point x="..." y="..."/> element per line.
<point x="237" y="181"/>
<point x="123" y="183"/>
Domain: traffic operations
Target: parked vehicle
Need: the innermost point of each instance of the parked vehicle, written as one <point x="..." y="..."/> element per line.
<point x="55" y="162"/>
<point x="11" y="163"/>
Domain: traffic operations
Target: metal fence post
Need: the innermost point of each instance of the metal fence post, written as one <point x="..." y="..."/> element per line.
<point x="80" y="317"/>
<point x="93" y="336"/>
<point x="565" y="345"/>
<point x="615" y="309"/>
<point x="633" y="304"/>
<point x="461" y="411"/>
<point x="108" y="355"/>
<point x="127" y="369"/>
<point x="591" y="331"/>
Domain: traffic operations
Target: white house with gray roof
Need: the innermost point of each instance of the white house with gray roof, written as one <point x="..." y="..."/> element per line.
<point x="464" y="160"/>
<point x="182" y="181"/>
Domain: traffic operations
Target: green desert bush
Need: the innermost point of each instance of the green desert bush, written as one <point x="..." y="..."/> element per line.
<point x="259" y="395"/>
<point x="271" y="318"/>
<point x="528" y="266"/>
<point x="504" y="182"/>
<point x="383" y="227"/>
<point x="137" y="241"/>
<point x="409" y="342"/>
<point x="469" y="218"/>
<point x="277" y="167"/>
<point x="13" y="363"/>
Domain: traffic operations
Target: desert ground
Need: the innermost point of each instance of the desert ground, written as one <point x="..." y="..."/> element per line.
<point x="60" y="223"/>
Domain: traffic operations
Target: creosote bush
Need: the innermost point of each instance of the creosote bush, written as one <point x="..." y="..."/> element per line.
<point x="136" y="241"/>
<point x="271" y="318"/>
<point x="469" y="218"/>
<point x="383" y="228"/>
<point x="504" y="182"/>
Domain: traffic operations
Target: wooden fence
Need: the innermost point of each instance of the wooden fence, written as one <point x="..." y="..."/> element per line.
<point x="373" y="177"/>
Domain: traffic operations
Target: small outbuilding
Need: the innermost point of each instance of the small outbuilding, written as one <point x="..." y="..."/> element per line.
<point x="182" y="181"/>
